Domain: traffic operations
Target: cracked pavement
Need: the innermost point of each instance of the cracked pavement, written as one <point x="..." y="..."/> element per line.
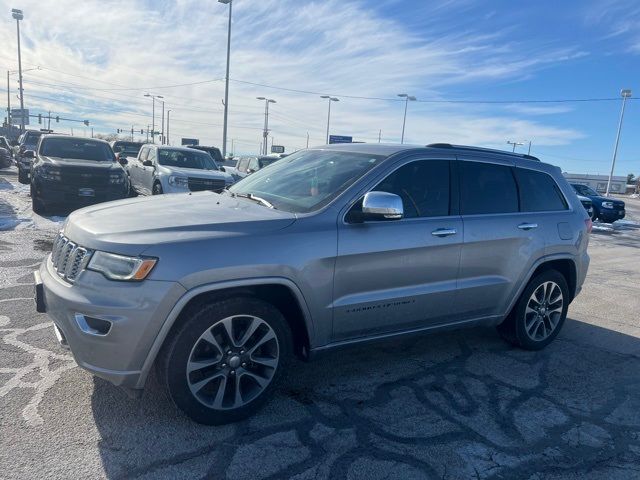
<point x="453" y="405"/>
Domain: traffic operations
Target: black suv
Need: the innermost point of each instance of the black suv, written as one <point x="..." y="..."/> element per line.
<point x="70" y="172"/>
<point x="607" y="209"/>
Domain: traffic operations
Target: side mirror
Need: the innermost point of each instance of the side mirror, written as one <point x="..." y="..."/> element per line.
<point x="122" y="159"/>
<point x="382" y="206"/>
<point x="222" y="169"/>
<point x="250" y="171"/>
<point x="147" y="163"/>
<point x="29" y="154"/>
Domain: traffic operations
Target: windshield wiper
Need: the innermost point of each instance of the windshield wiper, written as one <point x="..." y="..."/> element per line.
<point x="255" y="198"/>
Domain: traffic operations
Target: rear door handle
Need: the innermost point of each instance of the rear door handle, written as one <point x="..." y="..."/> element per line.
<point x="444" y="232"/>
<point x="527" y="226"/>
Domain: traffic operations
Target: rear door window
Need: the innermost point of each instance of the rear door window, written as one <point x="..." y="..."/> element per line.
<point x="539" y="192"/>
<point x="487" y="188"/>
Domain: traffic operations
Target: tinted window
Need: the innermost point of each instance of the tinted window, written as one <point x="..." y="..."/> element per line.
<point x="584" y="190"/>
<point x="538" y="192"/>
<point x="186" y="159"/>
<point x="423" y="187"/>
<point x="143" y="154"/>
<point x="242" y="164"/>
<point x="76" y="148"/>
<point x="487" y="188"/>
<point x="151" y="155"/>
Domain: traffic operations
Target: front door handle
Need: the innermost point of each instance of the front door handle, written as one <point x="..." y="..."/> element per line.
<point x="527" y="226"/>
<point x="444" y="232"/>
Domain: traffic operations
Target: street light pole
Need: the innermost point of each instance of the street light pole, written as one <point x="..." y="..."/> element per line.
<point x="331" y="99"/>
<point x="153" y="114"/>
<point x="168" y="112"/>
<point x="17" y="14"/>
<point x="626" y="93"/>
<point x="265" y="132"/>
<point x="162" y="137"/>
<point x="8" y="102"/>
<point x="407" y="98"/>
<point x="226" y="83"/>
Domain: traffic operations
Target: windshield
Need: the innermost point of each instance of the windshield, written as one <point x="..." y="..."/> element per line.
<point x="186" y="159"/>
<point x="214" y="152"/>
<point x="76" y="148"/>
<point x="307" y="180"/>
<point x="584" y="190"/>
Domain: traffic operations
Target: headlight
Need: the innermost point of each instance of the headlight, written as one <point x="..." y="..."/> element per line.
<point x="49" y="173"/>
<point x="178" y="181"/>
<point x="120" y="267"/>
<point x="116" y="178"/>
<point x="607" y="204"/>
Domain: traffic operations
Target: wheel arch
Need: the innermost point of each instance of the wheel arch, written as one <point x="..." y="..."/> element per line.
<point x="280" y="292"/>
<point x="565" y="265"/>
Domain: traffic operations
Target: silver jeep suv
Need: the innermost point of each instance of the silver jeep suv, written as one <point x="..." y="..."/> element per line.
<point x="328" y="247"/>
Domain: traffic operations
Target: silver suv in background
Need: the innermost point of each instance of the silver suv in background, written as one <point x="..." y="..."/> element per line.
<point x="162" y="169"/>
<point x="326" y="248"/>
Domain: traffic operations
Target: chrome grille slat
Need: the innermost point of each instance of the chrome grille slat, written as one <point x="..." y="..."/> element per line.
<point x="68" y="258"/>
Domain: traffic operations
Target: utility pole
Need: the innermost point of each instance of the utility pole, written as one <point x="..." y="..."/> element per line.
<point x="379" y="135"/>
<point x="162" y="139"/>
<point x="265" y="132"/>
<point x="132" y="133"/>
<point x="153" y="114"/>
<point x="307" y="139"/>
<point x="232" y="147"/>
<point x="226" y="83"/>
<point x="147" y="133"/>
<point x="91" y="132"/>
<point x="626" y="93"/>
<point x="8" y="102"/>
<point x="529" y="150"/>
<point x="17" y="14"/>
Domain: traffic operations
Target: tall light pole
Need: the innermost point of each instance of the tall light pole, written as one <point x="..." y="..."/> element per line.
<point x="331" y="99"/>
<point x="162" y="129"/>
<point x="9" y="92"/>
<point x="153" y="114"/>
<point x="407" y="99"/>
<point x="625" y="93"/>
<point x="265" y="132"/>
<point x="168" y="112"/>
<point x="17" y="14"/>
<point x="515" y="144"/>
<point x="226" y="82"/>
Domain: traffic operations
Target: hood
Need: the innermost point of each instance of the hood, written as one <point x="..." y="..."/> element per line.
<point x="195" y="172"/>
<point x="74" y="162"/>
<point x="617" y="203"/>
<point x="130" y="226"/>
<point x="584" y="199"/>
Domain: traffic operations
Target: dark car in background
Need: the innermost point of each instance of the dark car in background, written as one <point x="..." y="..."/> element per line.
<point x="607" y="209"/>
<point x="5" y="153"/>
<point x="215" y="152"/>
<point x="27" y="141"/>
<point x="72" y="172"/>
<point x="126" y="148"/>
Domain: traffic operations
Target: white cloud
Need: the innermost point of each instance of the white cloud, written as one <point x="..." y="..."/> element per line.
<point x="339" y="47"/>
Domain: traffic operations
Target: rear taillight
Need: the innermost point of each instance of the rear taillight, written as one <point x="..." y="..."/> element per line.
<point x="589" y="224"/>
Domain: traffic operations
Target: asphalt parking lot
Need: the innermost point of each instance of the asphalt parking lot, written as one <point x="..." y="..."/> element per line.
<point x="448" y="406"/>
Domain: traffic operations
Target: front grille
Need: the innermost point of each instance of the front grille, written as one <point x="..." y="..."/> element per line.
<point x="199" y="184"/>
<point x="83" y="177"/>
<point x="68" y="258"/>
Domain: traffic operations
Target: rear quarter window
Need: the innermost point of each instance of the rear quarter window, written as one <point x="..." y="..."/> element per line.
<point x="487" y="188"/>
<point x="539" y="192"/>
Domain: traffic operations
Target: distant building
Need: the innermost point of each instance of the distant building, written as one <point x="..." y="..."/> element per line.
<point x="598" y="182"/>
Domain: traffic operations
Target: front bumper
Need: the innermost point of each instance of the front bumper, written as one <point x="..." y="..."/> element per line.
<point x="612" y="214"/>
<point x="60" y="193"/>
<point x="135" y="311"/>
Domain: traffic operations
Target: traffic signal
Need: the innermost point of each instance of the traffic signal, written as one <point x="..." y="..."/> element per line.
<point x="141" y="131"/>
<point x="39" y="118"/>
<point x="57" y="119"/>
<point x="117" y="130"/>
<point x="86" y="122"/>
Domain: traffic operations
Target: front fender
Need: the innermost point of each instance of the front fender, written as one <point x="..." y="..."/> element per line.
<point x="216" y="287"/>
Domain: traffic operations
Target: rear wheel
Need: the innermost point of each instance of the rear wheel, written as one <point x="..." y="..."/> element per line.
<point x="540" y="312"/>
<point x="223" y="362"/>
<point x="23" y="177"/>
<point x="157" y="188"/>
<point x="37" y="205"/>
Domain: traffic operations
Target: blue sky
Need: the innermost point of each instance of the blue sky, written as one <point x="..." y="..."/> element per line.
<point x="98" y="58"/>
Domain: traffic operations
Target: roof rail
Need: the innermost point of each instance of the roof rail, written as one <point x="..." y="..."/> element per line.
<point x="481" y="149"/>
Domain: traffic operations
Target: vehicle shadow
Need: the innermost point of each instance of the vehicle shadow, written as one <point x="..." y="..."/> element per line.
<point x="462" y="404"/>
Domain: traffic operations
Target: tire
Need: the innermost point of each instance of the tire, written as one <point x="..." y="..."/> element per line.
<point x="535" y="322"/>
<point x="207" y="394"/>
<point x="22" y="177"/>
<point x="37" y="205"/>
<point x="157" y="189"/>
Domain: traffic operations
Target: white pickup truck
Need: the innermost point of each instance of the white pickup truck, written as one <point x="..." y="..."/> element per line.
<point x="162" y="169"/>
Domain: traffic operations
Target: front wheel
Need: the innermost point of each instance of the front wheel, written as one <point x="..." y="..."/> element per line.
<point x="23" y="177"/>
<point x="157" y="189"/>
<point x="540" y="312"/>
<point x="224" y="360"/>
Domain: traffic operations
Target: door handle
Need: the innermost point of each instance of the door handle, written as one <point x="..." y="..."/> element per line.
<point x="527" y="226"/>
<point x="444" y="232"/>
